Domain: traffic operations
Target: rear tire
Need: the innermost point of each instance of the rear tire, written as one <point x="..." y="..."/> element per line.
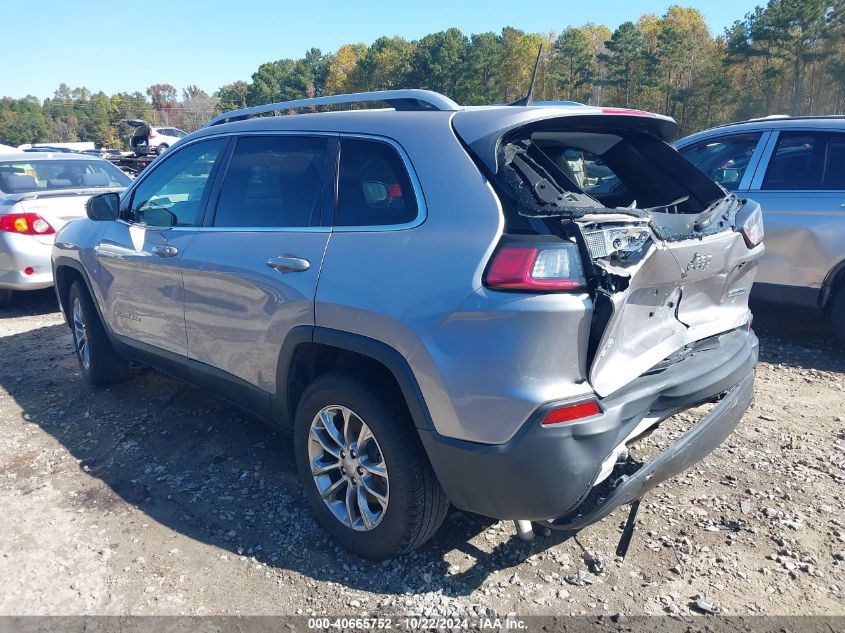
<point x="161" y="149"/>
<point x="837" y="316"/>
<point x="6" y="298"/>
<point x="99" y="363"/>
<point x="383" y="515"/>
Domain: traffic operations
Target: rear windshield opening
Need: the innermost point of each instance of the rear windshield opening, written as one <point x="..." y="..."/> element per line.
<point x="26" y="176"/>
<point x="571" y="173"/>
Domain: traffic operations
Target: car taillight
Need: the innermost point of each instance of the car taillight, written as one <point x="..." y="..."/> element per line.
<point x="572" y="412"/>
<point x="151" y="135"/>
<point x="752" y="228"/>
<point x="25" y="223"/>
<point x="535" y="266"/>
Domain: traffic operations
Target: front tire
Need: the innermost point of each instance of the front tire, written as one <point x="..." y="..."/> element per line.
<point x="99" y="363"/>
<point x="363" y="468"/>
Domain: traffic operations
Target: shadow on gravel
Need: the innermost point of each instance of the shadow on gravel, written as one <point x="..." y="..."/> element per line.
<point x="795" y="337"/>
<point x="202" y="468"/>
<point x="31" y="303"/>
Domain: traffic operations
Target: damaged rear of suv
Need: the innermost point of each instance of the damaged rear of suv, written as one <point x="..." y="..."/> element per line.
<point x="625" y="273"/>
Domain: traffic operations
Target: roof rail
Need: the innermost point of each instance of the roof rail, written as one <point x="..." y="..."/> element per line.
<point x="399" y="99"/>
<point x="780" y="117"/>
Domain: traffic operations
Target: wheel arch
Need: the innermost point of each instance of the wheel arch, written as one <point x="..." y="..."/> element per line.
<point x="309" y="352"/>
<point x="65" y="272"/>
<point x="834" y="282"/>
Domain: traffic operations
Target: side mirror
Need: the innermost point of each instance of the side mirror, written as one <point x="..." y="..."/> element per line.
<point x="103" y="206"/>
<point x="729" y="175"/>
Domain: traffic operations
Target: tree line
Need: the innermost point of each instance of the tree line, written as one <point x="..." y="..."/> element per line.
<point x="786" y="58"/>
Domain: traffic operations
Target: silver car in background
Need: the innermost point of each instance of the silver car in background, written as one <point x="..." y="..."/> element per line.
<point x="794" y="167"/>
<point x="39" y="194"/>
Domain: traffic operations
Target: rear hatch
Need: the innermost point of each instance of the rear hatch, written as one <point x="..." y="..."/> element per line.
<point x="141" y="133"/>
<point x="670" y="255"/>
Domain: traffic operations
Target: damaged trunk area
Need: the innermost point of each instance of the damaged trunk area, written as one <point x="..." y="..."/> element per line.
<point x="668" y="254"/>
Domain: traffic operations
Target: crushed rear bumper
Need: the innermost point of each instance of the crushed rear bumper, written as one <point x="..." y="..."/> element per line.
<point x="544" y="473"/>
<point x="691" y="448"/>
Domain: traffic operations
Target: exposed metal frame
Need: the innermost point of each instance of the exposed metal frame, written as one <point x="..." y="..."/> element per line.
<point x="410" y="99"/>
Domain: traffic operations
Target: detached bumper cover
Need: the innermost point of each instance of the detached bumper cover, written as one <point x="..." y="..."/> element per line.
<point x="691" y="448"/>
<point x="547" y="472"/>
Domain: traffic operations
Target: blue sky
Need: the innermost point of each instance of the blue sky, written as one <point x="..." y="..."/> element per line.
<point x="117" y="46"/>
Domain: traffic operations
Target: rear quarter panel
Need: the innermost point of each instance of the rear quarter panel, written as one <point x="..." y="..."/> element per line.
<point x="396" y="286"/>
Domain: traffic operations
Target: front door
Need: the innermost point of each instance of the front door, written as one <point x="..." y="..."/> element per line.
<point x="251" y="275"/>
<point x="140" y="254"/>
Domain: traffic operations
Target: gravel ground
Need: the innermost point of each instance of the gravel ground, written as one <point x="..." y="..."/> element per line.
<point x="152" y="497"/>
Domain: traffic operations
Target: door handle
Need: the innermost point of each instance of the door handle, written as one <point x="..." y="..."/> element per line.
<point x="289" y="264"/>
<point x="164" y="250"/>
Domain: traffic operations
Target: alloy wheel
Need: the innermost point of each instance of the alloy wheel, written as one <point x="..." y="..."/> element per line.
<point x="348" y="468"/>
<point x="80" y="334"/>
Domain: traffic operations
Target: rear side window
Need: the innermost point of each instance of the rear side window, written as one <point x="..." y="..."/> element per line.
<point x="172" y="194"/>
<point x="374" y="187"/>
<point x="797" y="162"/>
<point x="273" y="181"/>
<point x="23" y="176"/>
<point x="723" y="159"/>
<point x="834" y="173"/>
<point x="807" y="161"/>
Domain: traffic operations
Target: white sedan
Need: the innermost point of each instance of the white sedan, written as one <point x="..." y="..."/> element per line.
<point x="39" y="194"/>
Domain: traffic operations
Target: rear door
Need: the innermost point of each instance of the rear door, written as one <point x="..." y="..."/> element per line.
<point x="800" y="185"/>
<point x="251" y="273"/>
<point x="139" y="255"/>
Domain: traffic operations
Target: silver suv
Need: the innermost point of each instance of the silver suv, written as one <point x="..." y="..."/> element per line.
<point x="795" y="168"/>
<point x="433" y="301"/>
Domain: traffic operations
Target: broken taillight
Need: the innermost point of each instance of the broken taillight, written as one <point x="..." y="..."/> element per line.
<point x="537" y="266"/>
<point x="752" y="228"/>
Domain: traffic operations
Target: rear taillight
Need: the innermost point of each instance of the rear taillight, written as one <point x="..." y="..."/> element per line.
<point x="535" y="266"/>
<point x="752" y="228"/>
<point x="25" y="223"/>
<point x="151" y="135"/>
<point x="572" y="412"/>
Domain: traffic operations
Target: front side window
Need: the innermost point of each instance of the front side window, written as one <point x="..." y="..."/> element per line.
<point x="834" y="172"/>
<point x="273" y="181"/>
<point x="25" y="176"/>
<point x="173" y="193"/>
<point x="374" y="188"/>
<point x="723" y="159"/>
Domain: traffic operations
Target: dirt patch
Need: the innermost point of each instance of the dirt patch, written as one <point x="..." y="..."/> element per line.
<point x="151" y="497"/>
